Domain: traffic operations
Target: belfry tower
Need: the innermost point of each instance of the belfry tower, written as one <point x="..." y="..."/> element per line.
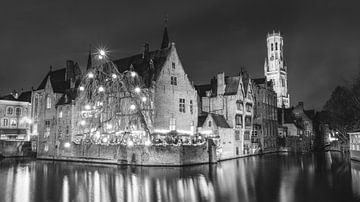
<point x="275" y="69"/>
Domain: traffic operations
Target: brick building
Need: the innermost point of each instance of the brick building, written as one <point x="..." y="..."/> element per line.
<point x="265" y="116"/>
<point x="231" y="97"/>
<point x="15" y="120"/>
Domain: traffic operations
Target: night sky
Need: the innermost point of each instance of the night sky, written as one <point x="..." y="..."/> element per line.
<point x="322" y="38"/>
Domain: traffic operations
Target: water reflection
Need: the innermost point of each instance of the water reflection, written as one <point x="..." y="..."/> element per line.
<point x="278" y="177"/>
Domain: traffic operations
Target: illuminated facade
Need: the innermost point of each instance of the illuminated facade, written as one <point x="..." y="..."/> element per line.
<point x="275" y="69"/>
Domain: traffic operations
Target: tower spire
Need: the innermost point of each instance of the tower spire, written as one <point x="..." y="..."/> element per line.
<point x="165" y="40"/>
<point x="89" y="63"/>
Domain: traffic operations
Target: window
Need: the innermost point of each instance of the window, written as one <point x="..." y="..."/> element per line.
<point x="13" y="123"/>
<point x="276" y="46"/>
<point x="67" y="130"/>
<point x="60" y="114"/>
<point x="172" y="124"/>
<point x="246" y="135"/>
<point x="48" y="102"/>
<point x="18" y="111"/>
<point x="173" y="80"/>
<point x="173" y="65"/>
<point x="5" y="122"/>
<point x="209" y="123"/>
<point x="247" y="121"/>
<point x="191" y="107"/>
<point x="10" y="111"/>
<point x="46" y="148"/>
<point x="248" y="107"/>
<point x="282" y="82"/>
<point x="239" y="105"/>
<point x="182" y="105"/>
<point x="272" y="47"/>
<point x="47" y="128"/>
<point x="237" y="135"/>
<point x="238" y="120"/>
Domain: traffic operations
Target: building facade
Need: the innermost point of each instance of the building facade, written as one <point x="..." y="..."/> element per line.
<point x="15" y="120"/>
<point x="265" y="133"/>
<point x="233" y="98"/>
<point x="275" y="68"/>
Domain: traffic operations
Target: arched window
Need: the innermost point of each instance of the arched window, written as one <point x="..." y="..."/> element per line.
<point x="5" y="122"/>
<point x="276" y="46"/>
<point x="10" y="111"/>
<point x="272" y="47"/>
<point x="48" y="102"/>
<point x="18" y="111"/>
<point x="210" y="124"/>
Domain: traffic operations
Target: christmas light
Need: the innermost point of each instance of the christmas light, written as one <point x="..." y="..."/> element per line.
<point x="105" y="139"/>
<point x="100" y="57"/>
<point x="87" y="107"/>
<point x="132" y="107"/>
<point x="90" y="75"/>
<point x="81" y="88"/>
<point x="113" y="76"/>
<point x="130" y="143"/>
<point x="67" y="144"/>
<point x="101" y="89"/>
<point x="147" y="143"/>
<point x="143" y="99"/>
<point x="133" y="74"/>
<point x="83" y="122"/>
<point x="102" y="52"/>
<point x="137" y="90"/>
<point x="109" y="126"/>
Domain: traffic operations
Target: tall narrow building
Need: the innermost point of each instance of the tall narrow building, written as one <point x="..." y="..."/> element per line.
<point x="275" y="69"/>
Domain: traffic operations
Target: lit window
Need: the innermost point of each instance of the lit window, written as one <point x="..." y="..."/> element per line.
<point x="172" y="123"/>
<point x="46" y="148"/>
<point x="10" y="110"/>
<point x="47" y="128"/>
<point x="48" y="102"/>
<point x="182" y="105"/>
<point x="5" y="122"/>
<point x="18" y="111"/>
<point x="13" y="123"/>
<point x="173" y="80"/>
<point x="60" y="114"/>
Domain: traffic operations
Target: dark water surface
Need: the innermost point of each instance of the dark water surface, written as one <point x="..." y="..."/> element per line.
<point x="278" y="177"/>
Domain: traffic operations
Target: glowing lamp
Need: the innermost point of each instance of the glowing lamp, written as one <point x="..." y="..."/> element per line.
<point x="133" y="74"/>
<point x="101" y="89"/>
<point x="130" y="143"/>
<point x="81" y="88"/>
<point x="90" y="75"/>
<point x="143" y="99"/>
<point x="102" y="52"/>
<point x="87" y="107"/>
<point x="105" y="139"/>
<point x="109" y="126"/>
<point x="67" y="144"/>
<point x="132" y="107"/>
<point x="137" y="90"/>
<point x="147" y="143"/>
<point x="114" y="76"/>
<point x="100" y="57"/>
<point x="83" y="122"/>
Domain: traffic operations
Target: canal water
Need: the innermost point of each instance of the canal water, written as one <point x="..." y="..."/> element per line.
<point x="276" y="177"/>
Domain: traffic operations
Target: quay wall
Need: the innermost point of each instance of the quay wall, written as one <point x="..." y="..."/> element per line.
<point x="136" y="155"/>
<point x="15" y="148"/>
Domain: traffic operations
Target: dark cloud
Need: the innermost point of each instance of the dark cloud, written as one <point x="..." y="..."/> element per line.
<point x="321" y="38"/>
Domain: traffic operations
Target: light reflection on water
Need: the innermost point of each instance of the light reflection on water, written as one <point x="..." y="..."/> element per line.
<point x="278" y="177"/>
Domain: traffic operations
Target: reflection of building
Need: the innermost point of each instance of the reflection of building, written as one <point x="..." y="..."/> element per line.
<point x="15" y="116"/>
<point x="232" y="98"/>
<point x="355" y="145"/>
<point x="265" y="115"/>
<point x="275" y="68"/>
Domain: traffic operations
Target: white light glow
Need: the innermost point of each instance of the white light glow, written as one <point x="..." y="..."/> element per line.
<point x="101" y="89"/>
<point x="83" y="122"/>
<point x="100" y="57"/>
<point x="114" y="76"/>
<point x="90" y="75"/>
<point x="133" y="74"/>
<point x="143" y="99"/>
<point x="147" y="143"/>
<point x="137" y="90"/>
<point x="87" y="107"/>
<point x="102" y="52"/>
<point x="81" y="88"/>
<point x="105" y="139"/>
<point x="162" y="131"/>
<point x="67" y="144"/>
<point x="130" y="143"/>
<point x="132" y="107"/>
<point x="109" y="126"/>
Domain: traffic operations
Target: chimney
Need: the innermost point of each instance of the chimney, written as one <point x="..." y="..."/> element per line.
<point x="15" y="94"/>
<point x="220" y="83"/>
<point x="146" y="51"/>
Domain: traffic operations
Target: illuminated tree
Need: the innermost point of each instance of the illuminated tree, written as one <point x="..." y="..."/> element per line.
<point x="112" y="107"/>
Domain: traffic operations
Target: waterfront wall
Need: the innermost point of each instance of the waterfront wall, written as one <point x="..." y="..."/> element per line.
<point x="15" y="148"/>
<point x="137" y="155"/>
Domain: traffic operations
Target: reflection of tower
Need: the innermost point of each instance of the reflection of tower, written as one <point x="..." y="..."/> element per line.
<point x="275" y="69"/>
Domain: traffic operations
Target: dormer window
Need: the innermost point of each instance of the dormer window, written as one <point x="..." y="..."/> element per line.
<point x="173" y="65"/>
<point x="173" y="80"/>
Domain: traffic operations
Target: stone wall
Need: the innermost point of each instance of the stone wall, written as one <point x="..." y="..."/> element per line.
<point x="138" y="155"/>
<point x="15" y="148"/>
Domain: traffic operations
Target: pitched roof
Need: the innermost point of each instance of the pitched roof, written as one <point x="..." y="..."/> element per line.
<point x="201" y="120"/>
<point x="289" y="117"/>
<point x="220" y="121"/>
<point x="8" y="97"/>
<point x="202" y="89"/>
<point x="165" y="40"/>
<point x="148" y="65"/>
<point x="259" y="81"/>
<point x="57" y="79"/>
<point x="25" y="96"/>
<point x="232" y="85"/>
<point x="67" y="97"/>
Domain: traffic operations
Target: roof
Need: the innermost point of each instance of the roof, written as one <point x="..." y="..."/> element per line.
<point x="202" y="89"/>
<point x="232" y="85"/>
<point x="220" y="121"/>
<point x="310" y="113"/>
<point x="67" y="97"/>
<point x="148" y="64"/>
<point x="201" y="120"/>
<point x="25" y="96"/>
<point x="289" y="117"/>
<point x="57" y="79"/>
<point x="8" y="97"/>
<point x="259" y="81"/>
